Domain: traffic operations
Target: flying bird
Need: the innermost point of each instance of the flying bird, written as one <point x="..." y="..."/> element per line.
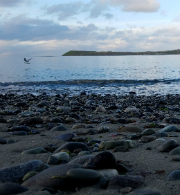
<point x="27" y="61"/>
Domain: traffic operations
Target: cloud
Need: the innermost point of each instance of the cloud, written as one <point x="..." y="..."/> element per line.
<point x="11" y="3"/>
<point x="108" y="15"/>
<point x="24" y="28"/>
<point x="177" y="19"/>
<point x="135" y="5"/>
<point x="93" y="9"/>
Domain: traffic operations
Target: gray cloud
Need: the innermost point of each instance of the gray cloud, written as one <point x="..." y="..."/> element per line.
<point x="23" y="28"/>
<point x="135" y="5"/>
<point x="11" y="3"/>
<point x="177" y="19"/>
<point x="108" y="15"/>
<point x="64" y="11"/>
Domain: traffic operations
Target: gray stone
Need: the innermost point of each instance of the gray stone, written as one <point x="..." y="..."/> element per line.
<point x="122" y="181"/>
<point x="175" y="151"/>
<point x="54" y="177"/>
<point x="120" y="149"/>
<point x="148" y="132"/>
<point x="61" y="156"/>
<point x="112" y="144"/>
<point x="104" y="160"/>
<point x="85" y="176"/>
<point x="83" y="153"/>
<point x="148" y="138"/>
<point x="65" y="136"/>
<point x="168" y="146"/>
<point x="170" y="128"/>
<point x="63" y="109"/>
<point x="59" y="128"/>
<point x="20" y="128"/>
<point x="19" y="133"/>
<point x="108" y="173"/>
<point x="52" y="160"/>
<point x="81" y="160"/>
<point x="71" y="146"/>
<point x="175" y="175"/>
<point x="38" y="150"/>
<point x="16" y="172"/>
<point x="11" y="188"/>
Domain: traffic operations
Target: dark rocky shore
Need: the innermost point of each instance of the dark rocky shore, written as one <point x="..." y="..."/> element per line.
<point x="89" y="144"/>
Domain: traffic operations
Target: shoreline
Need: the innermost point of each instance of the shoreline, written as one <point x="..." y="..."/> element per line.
<point x="77" y="113"/>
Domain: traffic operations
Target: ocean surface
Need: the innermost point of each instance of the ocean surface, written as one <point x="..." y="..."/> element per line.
<point x="145" y="75"/>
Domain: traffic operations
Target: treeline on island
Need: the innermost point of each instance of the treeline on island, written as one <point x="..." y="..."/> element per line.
<point x="111" y="53"/>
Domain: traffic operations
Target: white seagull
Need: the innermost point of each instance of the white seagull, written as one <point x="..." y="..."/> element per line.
<point x="27" y="61"/>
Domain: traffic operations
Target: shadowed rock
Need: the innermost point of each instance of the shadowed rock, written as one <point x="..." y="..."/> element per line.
<point x="11" y="188"/>
<point x="54" y="177"/>
<point x="16" y="172"/>
<point x="71" y="146"/>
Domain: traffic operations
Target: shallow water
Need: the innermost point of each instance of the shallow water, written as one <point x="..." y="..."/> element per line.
<point x="99" y="74"/>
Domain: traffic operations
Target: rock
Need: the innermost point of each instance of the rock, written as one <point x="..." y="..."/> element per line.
<point x="103" y="129"/>
<point x="84" y="176"/>
<point x="52" y="160"/>
<point x="146" y="139"/>
<point x="104" y="160"/>
<point x="70" y="120"/>
<point x="38" y="150"/>
<point x="33" y="120"/>
<point x="20" y="128"/>
<point x="56" y="120"/>
<point x="65" y="137"/>
<point x="3" y="141"/>
<point x="71" y="146"/>
<point x="176" y="159"/>
<point x="100" y="109"/>
<point x="62" y="109"/>
<point x="131" y="109"/>
<point x="16" y="172"/>
<point x="11" y="188"/>
<point x="81" y="160"/>
<point x="168" y="146"/>
<point x="78" y="139"/>
<point x="145" y="192"/>
<point x="59" y="128"/>
<point x="175" y="151"/>
<point x="121" y="149"/>
<point x="62" y="156"/>
<point x="163" y="134"/>
<point x="126" y="190"/>
<point x="83" y="153"/>
<point x="175" y="175"/>
<point x="108" y="173"/>
<point x="104" y="182"/>
<point x="29" y="175"/>
<point x="171" y="120"/>
<point x="11" y="141"/>
<point x="170" y="128"/>
<point x="19" y="133"/>
<point x="78" y="126"/>
<point x="54" y="177"/>
<point x="130" y="129"/>
<point x="113" y="144"/>
<point x="148" y="131"/>
<point x="122" y="181"/>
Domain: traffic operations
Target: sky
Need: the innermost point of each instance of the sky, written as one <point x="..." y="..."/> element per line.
<point x="53" y="27"/>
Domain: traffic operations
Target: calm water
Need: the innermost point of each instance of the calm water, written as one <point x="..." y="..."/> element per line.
<point x="99" y="74"/>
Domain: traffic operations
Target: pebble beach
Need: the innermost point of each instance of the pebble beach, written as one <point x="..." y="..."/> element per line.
<point x="89" y="144"/>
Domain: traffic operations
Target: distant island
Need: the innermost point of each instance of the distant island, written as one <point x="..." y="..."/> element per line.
<point x="112" y="53"/>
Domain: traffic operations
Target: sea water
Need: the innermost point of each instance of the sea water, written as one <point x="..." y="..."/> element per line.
<point x="145" y="75"/>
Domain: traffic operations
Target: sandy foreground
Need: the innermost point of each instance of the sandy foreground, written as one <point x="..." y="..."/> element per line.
<point x="158" y="164"/>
